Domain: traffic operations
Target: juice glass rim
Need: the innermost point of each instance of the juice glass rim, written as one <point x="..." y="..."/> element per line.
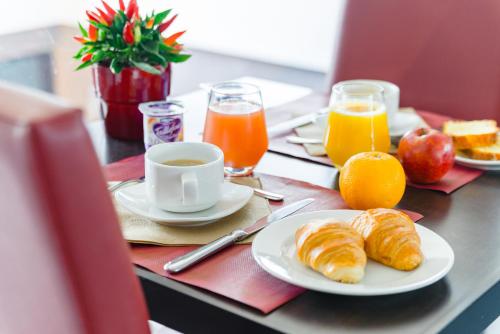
<point x="339" y="88"/>
<point x="248" y="89"/>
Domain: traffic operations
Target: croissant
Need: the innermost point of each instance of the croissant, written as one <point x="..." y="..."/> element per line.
<point x="332" y="248"/>
<point x="390" y="238"/>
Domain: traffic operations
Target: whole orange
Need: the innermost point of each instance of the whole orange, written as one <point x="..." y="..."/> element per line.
<point x="372" y="180"/>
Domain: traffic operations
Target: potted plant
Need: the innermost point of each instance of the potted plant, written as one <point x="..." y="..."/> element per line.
<point x="131" y="62"/>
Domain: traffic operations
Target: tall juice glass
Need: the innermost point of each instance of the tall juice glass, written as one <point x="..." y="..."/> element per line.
<point x="236" y="123"/>
<point x="357" y="121"/>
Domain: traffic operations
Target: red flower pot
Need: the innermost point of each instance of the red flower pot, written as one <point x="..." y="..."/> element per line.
<point x="120" y="95"/>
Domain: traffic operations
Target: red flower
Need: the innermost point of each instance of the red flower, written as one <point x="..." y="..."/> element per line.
<point x="92" y="16"/>
<point x="128" y="33"/>
<point x="110" y="10"/>
<point x="92" y="33"/>
<point x="87" y="57"/>
<point x="178" y="47"/>
<point x="95" y="17"/>
<point x="105" y="17"/>
<point x="165" y="25"/>
<point x="122" y="5"/>
<point x="79" y="39"/>
<point x="131" y="9"/>
<point x="150" y="23"/>
<point x="171" y="39"/>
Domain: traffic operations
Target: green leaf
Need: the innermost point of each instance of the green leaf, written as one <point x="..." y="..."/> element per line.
<point x="149" y="46"/>
<point x="177" y="58"/>
<point x="161" y="16"/>
<point x="99" y="25"/>
<point x="165" y="48"/>
<point x="156" y="58"/>
<point x="83" y="65"/>
<point x="155" y="35"/>
<point x="123" y="15"/>
<point x="146" y="67"/>
<point x="101" y="35"/>
<point x="82" y="30"/>
<point x="137" y="34"/>
<point x="115" y="66"/>
<point x="98" y="56"/>
<point x="118" y="23"/>
<point x="80" y="52"/>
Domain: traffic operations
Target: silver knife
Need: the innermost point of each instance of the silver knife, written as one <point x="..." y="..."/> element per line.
<point x="287" y="126"/>
<point x="187" y="260"/>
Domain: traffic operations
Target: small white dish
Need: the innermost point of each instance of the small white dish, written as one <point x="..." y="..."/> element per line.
<point x="402" y="123"/>
<point x="488" y="165"/>
<point x="274" y="250"/>
<point x="134" y="199"/>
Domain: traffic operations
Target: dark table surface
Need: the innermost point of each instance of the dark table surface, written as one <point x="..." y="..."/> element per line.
<point x="465" y="301"/>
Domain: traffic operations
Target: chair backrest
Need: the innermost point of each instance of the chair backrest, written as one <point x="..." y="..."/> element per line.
<point x="65" y="265"/>
<point x="444" y="55"/>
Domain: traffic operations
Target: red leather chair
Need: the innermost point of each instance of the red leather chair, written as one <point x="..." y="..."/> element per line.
<point x="65" y="266"/>
<point x="444" y="55"/>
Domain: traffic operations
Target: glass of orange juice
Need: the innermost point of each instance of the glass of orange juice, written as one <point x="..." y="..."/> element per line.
<point x="357" y="121"/>
<point x="236" y="123"/>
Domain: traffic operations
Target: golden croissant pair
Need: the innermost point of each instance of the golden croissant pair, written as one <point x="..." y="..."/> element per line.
<point x="338" y="250"/>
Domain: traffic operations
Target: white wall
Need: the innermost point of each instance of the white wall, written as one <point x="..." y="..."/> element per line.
<point x="294" y="32"/>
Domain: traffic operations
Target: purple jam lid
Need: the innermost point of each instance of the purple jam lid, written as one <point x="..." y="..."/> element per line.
<point x="161" y="108"/>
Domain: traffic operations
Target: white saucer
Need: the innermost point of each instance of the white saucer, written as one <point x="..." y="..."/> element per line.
<point x="488" y="165"/>
<point x="134" y="199"/>
<point x="403" y="122"/>
<point x="274" y="250"/>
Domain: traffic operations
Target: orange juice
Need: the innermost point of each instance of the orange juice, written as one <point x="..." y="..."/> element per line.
<point x="239" y="129"/>
<point x="355" y="127"/>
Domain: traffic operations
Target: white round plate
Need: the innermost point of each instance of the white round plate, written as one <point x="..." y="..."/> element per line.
<point x="134" y="199"/>
<point x="274" y="250"/>
<point x="402" y="123"/>
<point x="489" y="165"/>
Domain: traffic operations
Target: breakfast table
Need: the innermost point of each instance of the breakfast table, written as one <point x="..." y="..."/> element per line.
<point x="466" y="300"/>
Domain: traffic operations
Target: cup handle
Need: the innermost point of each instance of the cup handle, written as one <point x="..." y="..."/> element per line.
<point x="189" y="188"/>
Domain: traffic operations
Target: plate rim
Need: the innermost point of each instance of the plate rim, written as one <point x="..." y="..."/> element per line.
<point x="476" y="162"/>
<point x="386" y="291"/>
<point x="188" y="222"/>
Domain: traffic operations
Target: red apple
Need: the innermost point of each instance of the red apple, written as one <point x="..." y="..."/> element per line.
<point x="426" y="155"/>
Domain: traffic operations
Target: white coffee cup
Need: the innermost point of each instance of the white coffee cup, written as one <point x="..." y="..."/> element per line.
<point x="391" y="96"/>
<point x="184" y="188"/>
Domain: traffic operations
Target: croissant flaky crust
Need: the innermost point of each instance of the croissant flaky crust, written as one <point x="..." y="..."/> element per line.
<point x="332" y="248"/>
<point x="390" y="238"/>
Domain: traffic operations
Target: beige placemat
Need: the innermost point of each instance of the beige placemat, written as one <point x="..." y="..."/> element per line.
<point x="137" y="229"/>
<point x="316" y="132"/>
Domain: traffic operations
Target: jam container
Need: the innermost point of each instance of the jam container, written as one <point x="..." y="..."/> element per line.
<point x="163" y="122"/>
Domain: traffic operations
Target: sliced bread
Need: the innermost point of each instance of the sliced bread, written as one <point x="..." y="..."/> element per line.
<point x="491" y="152"/>
<point x="469" y="134"/>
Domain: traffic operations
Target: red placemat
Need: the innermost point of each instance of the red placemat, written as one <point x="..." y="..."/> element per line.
<point x="125" y="169"/>
<point x="457" y="177"/>
<point x="233" y="273"/>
